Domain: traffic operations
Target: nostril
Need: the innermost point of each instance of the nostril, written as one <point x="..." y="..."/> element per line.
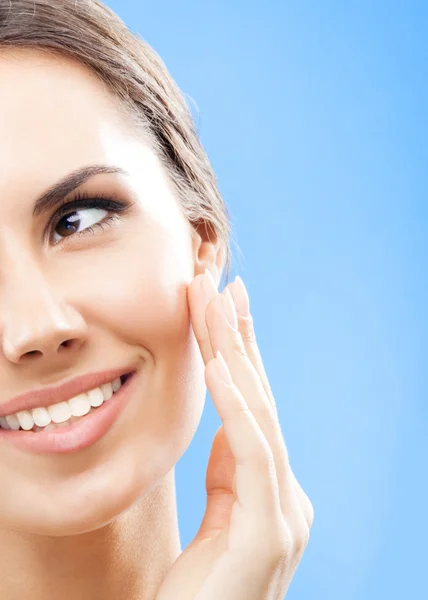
<point x="72" y="343"/>
<point x="67" y="343"/>
<point x="32" y="353"/>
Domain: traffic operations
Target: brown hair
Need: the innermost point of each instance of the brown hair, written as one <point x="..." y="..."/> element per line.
<point x="93" y="34"/>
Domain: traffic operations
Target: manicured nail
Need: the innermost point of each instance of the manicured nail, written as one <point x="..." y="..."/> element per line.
<point x="240" y="297"/>
<point x="229" y="308"/>
<point x="222" y="369"/>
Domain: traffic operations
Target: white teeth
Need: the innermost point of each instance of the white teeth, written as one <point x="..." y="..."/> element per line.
<point x="79" y="405"/>
<point x="60" y="413"/>
<point x="25" y="420"/>
<point x="107" y="390"/>
<point x="12" y="421"/>
<point x="95" y="397"/>
<point x="41" y="417"/>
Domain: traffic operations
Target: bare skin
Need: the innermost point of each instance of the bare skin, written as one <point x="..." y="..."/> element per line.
<point x="102" y="522"/>
<point x="66" y="527"/>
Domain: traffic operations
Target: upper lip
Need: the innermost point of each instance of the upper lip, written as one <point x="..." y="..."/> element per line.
<point x="58" y="393"/>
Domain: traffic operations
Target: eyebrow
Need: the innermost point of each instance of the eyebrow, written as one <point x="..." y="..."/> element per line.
<point x="58" y="191"/>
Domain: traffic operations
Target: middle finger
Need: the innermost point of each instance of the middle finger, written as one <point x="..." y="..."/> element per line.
<point x="224" y="336"/>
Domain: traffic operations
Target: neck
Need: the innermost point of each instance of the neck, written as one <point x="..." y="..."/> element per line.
<point x="128" y="558"/>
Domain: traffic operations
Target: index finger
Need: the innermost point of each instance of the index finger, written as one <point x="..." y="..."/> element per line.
<point x="199" y="295"/>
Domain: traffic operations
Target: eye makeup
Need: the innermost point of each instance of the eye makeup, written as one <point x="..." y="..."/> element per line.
<point x="84" y="201"/>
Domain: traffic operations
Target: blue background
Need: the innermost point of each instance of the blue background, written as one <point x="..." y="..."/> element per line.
<point x="314" y="115"/>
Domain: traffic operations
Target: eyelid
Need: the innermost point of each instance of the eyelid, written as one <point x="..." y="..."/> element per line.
<point x="84" y="200"/>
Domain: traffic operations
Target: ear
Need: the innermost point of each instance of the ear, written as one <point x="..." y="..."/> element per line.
<point x="208" y="253"/>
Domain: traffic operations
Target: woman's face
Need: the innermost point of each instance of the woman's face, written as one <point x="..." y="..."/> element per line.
<point x="119" y="293"/>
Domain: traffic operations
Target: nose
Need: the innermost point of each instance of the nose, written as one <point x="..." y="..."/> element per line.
<point x="37" y="325"/>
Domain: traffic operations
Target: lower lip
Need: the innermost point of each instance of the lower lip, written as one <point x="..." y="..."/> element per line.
<point x="80" y="434"/>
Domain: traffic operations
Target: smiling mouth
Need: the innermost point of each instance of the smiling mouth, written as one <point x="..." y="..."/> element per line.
<point x="89" y="402"/>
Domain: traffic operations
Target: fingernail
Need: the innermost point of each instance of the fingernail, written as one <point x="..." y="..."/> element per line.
<point x="209" y="285"/>
<point x="222" y="369"/>
<point x="240" y="297"/>
<point x="229" y="308"/>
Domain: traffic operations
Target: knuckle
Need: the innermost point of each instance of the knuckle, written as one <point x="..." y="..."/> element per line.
<point x="301" y="539"/>
<point x="282" y="546"/>
<point x="307" y="507"/>
<point x="246" y="327"/>
<point x="271" y="425"/>
<point x="305" y="503"/>
<point x="265" y="462"/>
<point x="286" y="542"/>
<point x="240" y="412"/>
<point x="309" y="512"/>
<point x="237" y="345"/>
<point x="260" y="454"/>
<point x="275" y="545"/>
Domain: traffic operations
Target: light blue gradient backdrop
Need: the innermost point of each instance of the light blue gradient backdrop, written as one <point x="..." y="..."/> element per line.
<point x="314" y="115"/>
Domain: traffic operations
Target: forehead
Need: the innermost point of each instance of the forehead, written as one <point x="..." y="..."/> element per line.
<point x="46" y="89"/>
<point x="53" y="108"/>
<point x="57" y="116"/>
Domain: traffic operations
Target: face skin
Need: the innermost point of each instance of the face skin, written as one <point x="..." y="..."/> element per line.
<point x="85" y="524"/>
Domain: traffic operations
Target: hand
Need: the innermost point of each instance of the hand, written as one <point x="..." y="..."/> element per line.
<point x="257" y="519"/>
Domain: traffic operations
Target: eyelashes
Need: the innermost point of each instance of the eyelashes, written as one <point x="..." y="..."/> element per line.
<point x="82" y="202"/>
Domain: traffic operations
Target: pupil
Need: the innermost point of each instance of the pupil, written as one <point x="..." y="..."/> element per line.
<point x="69" y="227"/>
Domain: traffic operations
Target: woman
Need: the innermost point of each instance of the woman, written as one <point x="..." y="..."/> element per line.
<point x="113" y="239"/>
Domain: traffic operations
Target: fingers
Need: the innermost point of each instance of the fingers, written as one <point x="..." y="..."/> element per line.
<point x="224" y="336"/>
<point x="247" y="332"/>
<point x="246" y="329"/>
<point x="200" y="293"/>
<point x="256" y="485"/>
<point x="235" y="338"/>
<point x="213" y="332"/>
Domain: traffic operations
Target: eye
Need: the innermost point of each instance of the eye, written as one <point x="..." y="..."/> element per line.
<point x="77" y="222"/>
<point x="88" y="213"/>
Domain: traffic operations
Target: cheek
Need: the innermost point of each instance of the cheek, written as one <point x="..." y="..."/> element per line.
<point x="141" y="305"/>
<point x="136" y="288"/>
<point x="137" y="297"/>
<point x="133" y="296"/>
